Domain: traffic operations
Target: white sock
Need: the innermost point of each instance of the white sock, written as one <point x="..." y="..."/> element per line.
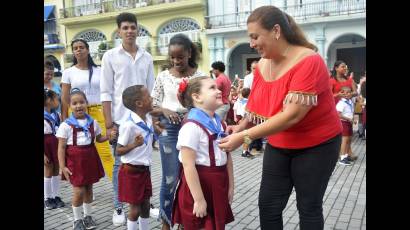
<point x="77" y="213"/>
<point x="132" y="225"/>
<point x="144" y="223"/>
<point x="87" y="209"/>
<point x="343" y="156"/>
<point x="47" y="188"/>
<point x="55" y="185"/>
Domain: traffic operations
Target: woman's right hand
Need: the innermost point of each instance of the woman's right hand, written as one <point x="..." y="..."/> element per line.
<point x="172" y="116"/>
<point x="200" y="208"/>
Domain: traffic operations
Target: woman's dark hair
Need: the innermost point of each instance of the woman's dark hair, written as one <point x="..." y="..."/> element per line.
<point x="363" y="89"/>
<point x="219" y="66"/>
<point x="48" y="65"/>
<point x="75" y="91"/>
<point x="126" y="17"/>
<point x="335" y="66"/>
<point x="194" y="86"/>
<point x="49" y="94"/>
<point x="269" y="16"/>
<point x="184" y="41"/>
<point x="130" y="95"/>
<point x="90" y="62"/>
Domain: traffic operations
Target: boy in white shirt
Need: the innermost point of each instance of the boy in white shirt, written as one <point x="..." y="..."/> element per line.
<point x="345" y="108"/>
<point x="134" y="145"/>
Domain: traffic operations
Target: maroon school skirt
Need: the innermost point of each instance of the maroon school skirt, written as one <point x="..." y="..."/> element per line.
<point x="347" y="128"/>
<point x="134" y="184"/>
<point x="51" y="148"/>
<point x="85" y="165"/>
<point x="215" y="185"/>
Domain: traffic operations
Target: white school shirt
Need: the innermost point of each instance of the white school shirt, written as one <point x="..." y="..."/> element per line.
<point x="79" y="78"/>
<point x="345" y="108"/>
<point x="65" y="131"/>
<point x="119" y="71"/>
<point x="47" y="128"/>
<point x="194" y="137"/>
<point x="247" y="81"/>
<point x="165" y="91"/>
<point x="141" y="155"/>
<point x="239" y="107"/>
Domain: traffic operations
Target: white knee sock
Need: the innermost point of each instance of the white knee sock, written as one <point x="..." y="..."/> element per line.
<point x="77" y="213"/>
<point x="144" y="223"/>
<point x="87" y="209"/>
<point x="48" y="192"/>
<point x="55" y="185"/>
<point x="132" y="225"/>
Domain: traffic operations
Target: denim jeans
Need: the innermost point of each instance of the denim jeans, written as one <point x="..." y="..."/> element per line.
<point x="170" y="168"/>
<point x="115" y="169"/>
<point x="308" y="170"/>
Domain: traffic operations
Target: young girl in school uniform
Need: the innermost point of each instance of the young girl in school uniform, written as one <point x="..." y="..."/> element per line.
<point x="134" y="145"/>
<point x="51" y="178"/>
<point x="78" y="157"/>
<point x="205" y="189"/>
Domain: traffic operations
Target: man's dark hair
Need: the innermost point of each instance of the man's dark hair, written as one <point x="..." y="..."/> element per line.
<point x="126" y="17"/>
<point x="219" y="66"/>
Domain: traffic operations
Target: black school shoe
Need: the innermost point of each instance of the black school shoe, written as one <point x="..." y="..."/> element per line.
<point x="49" y="203"/>
<point x="59" y="203"/>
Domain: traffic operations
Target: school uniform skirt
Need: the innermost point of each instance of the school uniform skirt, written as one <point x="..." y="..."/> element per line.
<point x="85" y="165"/>
<point x="215" y="184"/>
<point x="51" y="148"/>
<point x="347" y="128"/>
<point x="134" y="184"/>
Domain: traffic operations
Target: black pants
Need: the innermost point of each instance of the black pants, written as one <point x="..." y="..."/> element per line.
<point x="308" y="170"/>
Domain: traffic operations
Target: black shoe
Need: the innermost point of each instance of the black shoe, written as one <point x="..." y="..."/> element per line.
<point x="345" y="161"/>
<point x="78" y="225"/>
<point x="59" y="203"/>
<point x="249" y="155"/>
<point x="89" y="222"/>
<point x="49" y="203"/>
<point x="245" y="154"/>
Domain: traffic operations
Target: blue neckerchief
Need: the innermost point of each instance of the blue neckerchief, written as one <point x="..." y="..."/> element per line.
<point x="56" y="117"/>
<point x="244" y="101"/>
<point x="53" y="121"/>
<point x="348" y="102"/>
<point x="203" y="118"/>
<point x="148" y="130"/>
<point x="73" y="121"/>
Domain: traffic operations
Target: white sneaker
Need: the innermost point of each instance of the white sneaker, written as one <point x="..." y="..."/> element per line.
<point x="154" y="212"/>
<point x="118" y="218"/>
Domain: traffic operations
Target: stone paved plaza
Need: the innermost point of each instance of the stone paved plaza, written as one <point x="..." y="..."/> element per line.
<point x="344" y="200"/>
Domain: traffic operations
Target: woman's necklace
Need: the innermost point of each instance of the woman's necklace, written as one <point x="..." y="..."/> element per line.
<point x="270" y="63"/>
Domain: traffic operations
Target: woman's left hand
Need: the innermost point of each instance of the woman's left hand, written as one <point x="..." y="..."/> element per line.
<point x="231" y="142"/>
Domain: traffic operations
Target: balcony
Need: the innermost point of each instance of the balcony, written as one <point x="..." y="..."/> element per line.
<point x="299" y="12"/>
<point x="109" y="6"/>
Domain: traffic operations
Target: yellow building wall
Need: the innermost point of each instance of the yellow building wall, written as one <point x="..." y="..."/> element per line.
<point x="152" y="22"/>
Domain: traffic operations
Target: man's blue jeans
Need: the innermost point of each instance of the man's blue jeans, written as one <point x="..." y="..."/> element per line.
<point x="116" y="168"/>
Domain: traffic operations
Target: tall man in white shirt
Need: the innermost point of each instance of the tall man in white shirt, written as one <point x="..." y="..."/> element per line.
<point x="248" y="79"/>
<point x="122" y="67"/>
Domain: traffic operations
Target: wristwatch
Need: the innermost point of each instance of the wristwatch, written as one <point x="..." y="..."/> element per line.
<point x="246" y="139"/>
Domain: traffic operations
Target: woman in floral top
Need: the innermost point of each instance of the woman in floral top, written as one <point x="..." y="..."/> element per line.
<point x="183" y="55"/>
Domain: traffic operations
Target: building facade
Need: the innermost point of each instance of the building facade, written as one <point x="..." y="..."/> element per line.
<point x="54" y="47"/>
<point x="158" y="21"/>
<point x="336" y="27"/>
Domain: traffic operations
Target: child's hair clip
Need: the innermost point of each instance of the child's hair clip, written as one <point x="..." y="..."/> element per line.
<point x="75" y="90"/>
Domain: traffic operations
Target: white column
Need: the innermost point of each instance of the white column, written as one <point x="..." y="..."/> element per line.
<point x="212" y="51"/>
<point x="320" y="39"/>
<point x="220" y="48"/>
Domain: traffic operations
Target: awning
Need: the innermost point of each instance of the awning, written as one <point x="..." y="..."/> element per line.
<point x="48" y="11"/>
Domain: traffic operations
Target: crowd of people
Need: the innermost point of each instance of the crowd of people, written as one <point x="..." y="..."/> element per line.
<point x="104" y="120"/>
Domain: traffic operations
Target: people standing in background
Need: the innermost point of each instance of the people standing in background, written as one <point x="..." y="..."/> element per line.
<point x="224" y="85"/>
<point x="248" y="79"/>
<point x="339" y="79"/>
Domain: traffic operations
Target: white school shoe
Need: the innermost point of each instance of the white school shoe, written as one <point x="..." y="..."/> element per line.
<point x="118" y="217"/>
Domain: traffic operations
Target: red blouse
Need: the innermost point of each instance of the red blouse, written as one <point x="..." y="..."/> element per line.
<point x="308" y="82"/>
<point x="337" y="85"/>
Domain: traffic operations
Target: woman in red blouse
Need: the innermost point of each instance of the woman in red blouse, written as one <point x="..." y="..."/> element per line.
<point x="339" y="79"/>
<point x="292" y="104"/>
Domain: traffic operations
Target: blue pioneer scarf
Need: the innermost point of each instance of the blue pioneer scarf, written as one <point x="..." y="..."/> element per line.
<point x="73" y="121"/>
<point x="148" y="130"/>
<point x="203" y="118"/>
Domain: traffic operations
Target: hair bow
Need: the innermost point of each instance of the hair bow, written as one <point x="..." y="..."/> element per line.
<point x="183" y="85"/>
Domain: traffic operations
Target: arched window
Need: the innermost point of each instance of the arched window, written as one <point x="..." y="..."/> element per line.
<point x="94" y="38"/>
<point x="187" y="26"/>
